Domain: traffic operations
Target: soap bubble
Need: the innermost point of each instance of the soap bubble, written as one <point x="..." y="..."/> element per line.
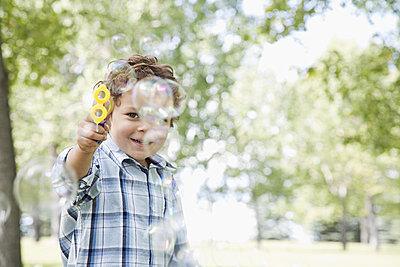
<point x="186" y="258"/>
<point x="150" y="45"/>
<point x="180" y="97"/>
<point x="5" y="208"/>
<point x="33" y="187"/>
<point x="155" y="135"/>
<point x="121" y="43"/>
<point x="173" y="214"/>
<point x="65" y="184"/>
<point x="154" y="96"/>
<point x="162" y="238"/>
<point x="122" y="76"/>
<point x="40" y="192"/>
<point x="158" y="98"/>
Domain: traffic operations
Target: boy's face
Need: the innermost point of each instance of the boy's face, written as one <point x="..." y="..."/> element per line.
<point x="128" y="131"/>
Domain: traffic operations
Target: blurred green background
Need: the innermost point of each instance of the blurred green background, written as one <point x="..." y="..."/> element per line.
<point x="319" y="153"/>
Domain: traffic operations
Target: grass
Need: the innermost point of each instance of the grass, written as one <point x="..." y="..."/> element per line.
<point x="45" y="253"/>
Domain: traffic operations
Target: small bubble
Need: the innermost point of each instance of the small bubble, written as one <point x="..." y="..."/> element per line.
<point x="150" y="45"/>
<point x="121" y="43"/>
<point x="121" y="76"/>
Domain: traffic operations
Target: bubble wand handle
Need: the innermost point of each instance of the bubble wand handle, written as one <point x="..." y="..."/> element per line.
<point x="102" y="107"/>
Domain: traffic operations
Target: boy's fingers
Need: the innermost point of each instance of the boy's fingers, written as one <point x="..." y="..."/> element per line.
<point x="91" y="134"/>
<point x="88" y="118"/>
<point x="106" y="127"/>
<point x="87" y="143"/>
<point x="88" y="130"/>
<point x="88" y="124"/>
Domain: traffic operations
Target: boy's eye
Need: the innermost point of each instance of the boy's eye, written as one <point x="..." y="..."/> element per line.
<point x="133" y="115"/>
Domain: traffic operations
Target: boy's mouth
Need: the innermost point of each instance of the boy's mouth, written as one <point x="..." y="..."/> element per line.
<point x="141" y="142"/>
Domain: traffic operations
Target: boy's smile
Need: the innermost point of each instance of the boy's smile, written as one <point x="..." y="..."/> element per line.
<point x="130" y="133"/>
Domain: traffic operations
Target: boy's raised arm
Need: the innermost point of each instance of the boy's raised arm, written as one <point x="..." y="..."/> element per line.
<point x="81" y="155"/>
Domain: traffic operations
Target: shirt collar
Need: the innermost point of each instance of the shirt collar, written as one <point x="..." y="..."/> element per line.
<point x="156" y="160"/>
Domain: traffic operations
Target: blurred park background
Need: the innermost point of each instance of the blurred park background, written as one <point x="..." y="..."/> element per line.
<point x="288" y="150"/>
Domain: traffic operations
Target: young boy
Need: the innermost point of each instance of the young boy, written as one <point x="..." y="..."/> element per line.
<point x="120" y="192"/>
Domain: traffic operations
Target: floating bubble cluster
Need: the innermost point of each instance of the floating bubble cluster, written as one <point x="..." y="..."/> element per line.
<point x="157" y="101"/>
<point x="39" y="192"/>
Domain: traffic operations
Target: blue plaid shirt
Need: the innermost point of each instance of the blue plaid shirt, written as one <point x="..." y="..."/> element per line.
<point x="117" y="202"/>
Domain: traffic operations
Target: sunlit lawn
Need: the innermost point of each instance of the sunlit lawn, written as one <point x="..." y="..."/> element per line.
<point x="271" y="253"/>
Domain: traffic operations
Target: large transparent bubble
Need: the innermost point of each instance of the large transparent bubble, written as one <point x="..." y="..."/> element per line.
<point x="159" y="98"/>
<point x="122" y="76"/>
<point x="153" y="97"/>
<point x="40" y="193"/>
<point x="162" y="238"/>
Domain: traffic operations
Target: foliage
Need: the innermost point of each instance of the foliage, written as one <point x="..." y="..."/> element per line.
<point x="364" y="87"/>
<point x="367" y="88"/>
<point x="30" y="52"/>
<point x="283" y="17"/>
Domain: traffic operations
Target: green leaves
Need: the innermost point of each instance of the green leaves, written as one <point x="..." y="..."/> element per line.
<point x="366" y="86"/>
<point x="33" y="35"/>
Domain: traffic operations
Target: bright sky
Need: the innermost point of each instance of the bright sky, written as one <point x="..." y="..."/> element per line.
<point x="229" y="220"/>
<point x="303" y="48"/>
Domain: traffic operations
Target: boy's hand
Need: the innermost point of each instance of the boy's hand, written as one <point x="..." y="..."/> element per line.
<point x="87" y="135"/>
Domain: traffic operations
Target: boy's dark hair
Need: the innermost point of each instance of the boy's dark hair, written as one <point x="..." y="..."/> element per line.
<point x="144" y="67"/>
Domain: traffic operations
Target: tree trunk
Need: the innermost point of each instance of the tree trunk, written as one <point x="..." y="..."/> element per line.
<point x="363" y="230"/>
<point x="37" y="225"/>
<point x="259" y="223"/>
<point x="343" y="229"/>
<point x="372" y="227"/>
<point x="10" y="239"/>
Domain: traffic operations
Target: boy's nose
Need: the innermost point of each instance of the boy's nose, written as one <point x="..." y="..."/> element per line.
<point x="143" y="126"/>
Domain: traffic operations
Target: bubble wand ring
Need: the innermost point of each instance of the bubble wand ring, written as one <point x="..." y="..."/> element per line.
<point x="104" y="106"/>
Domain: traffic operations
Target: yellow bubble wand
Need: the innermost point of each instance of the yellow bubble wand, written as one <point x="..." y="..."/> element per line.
<point x="104" y="106"/>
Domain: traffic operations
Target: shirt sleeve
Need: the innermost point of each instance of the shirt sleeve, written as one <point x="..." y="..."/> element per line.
<point x="88" y="186"/>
